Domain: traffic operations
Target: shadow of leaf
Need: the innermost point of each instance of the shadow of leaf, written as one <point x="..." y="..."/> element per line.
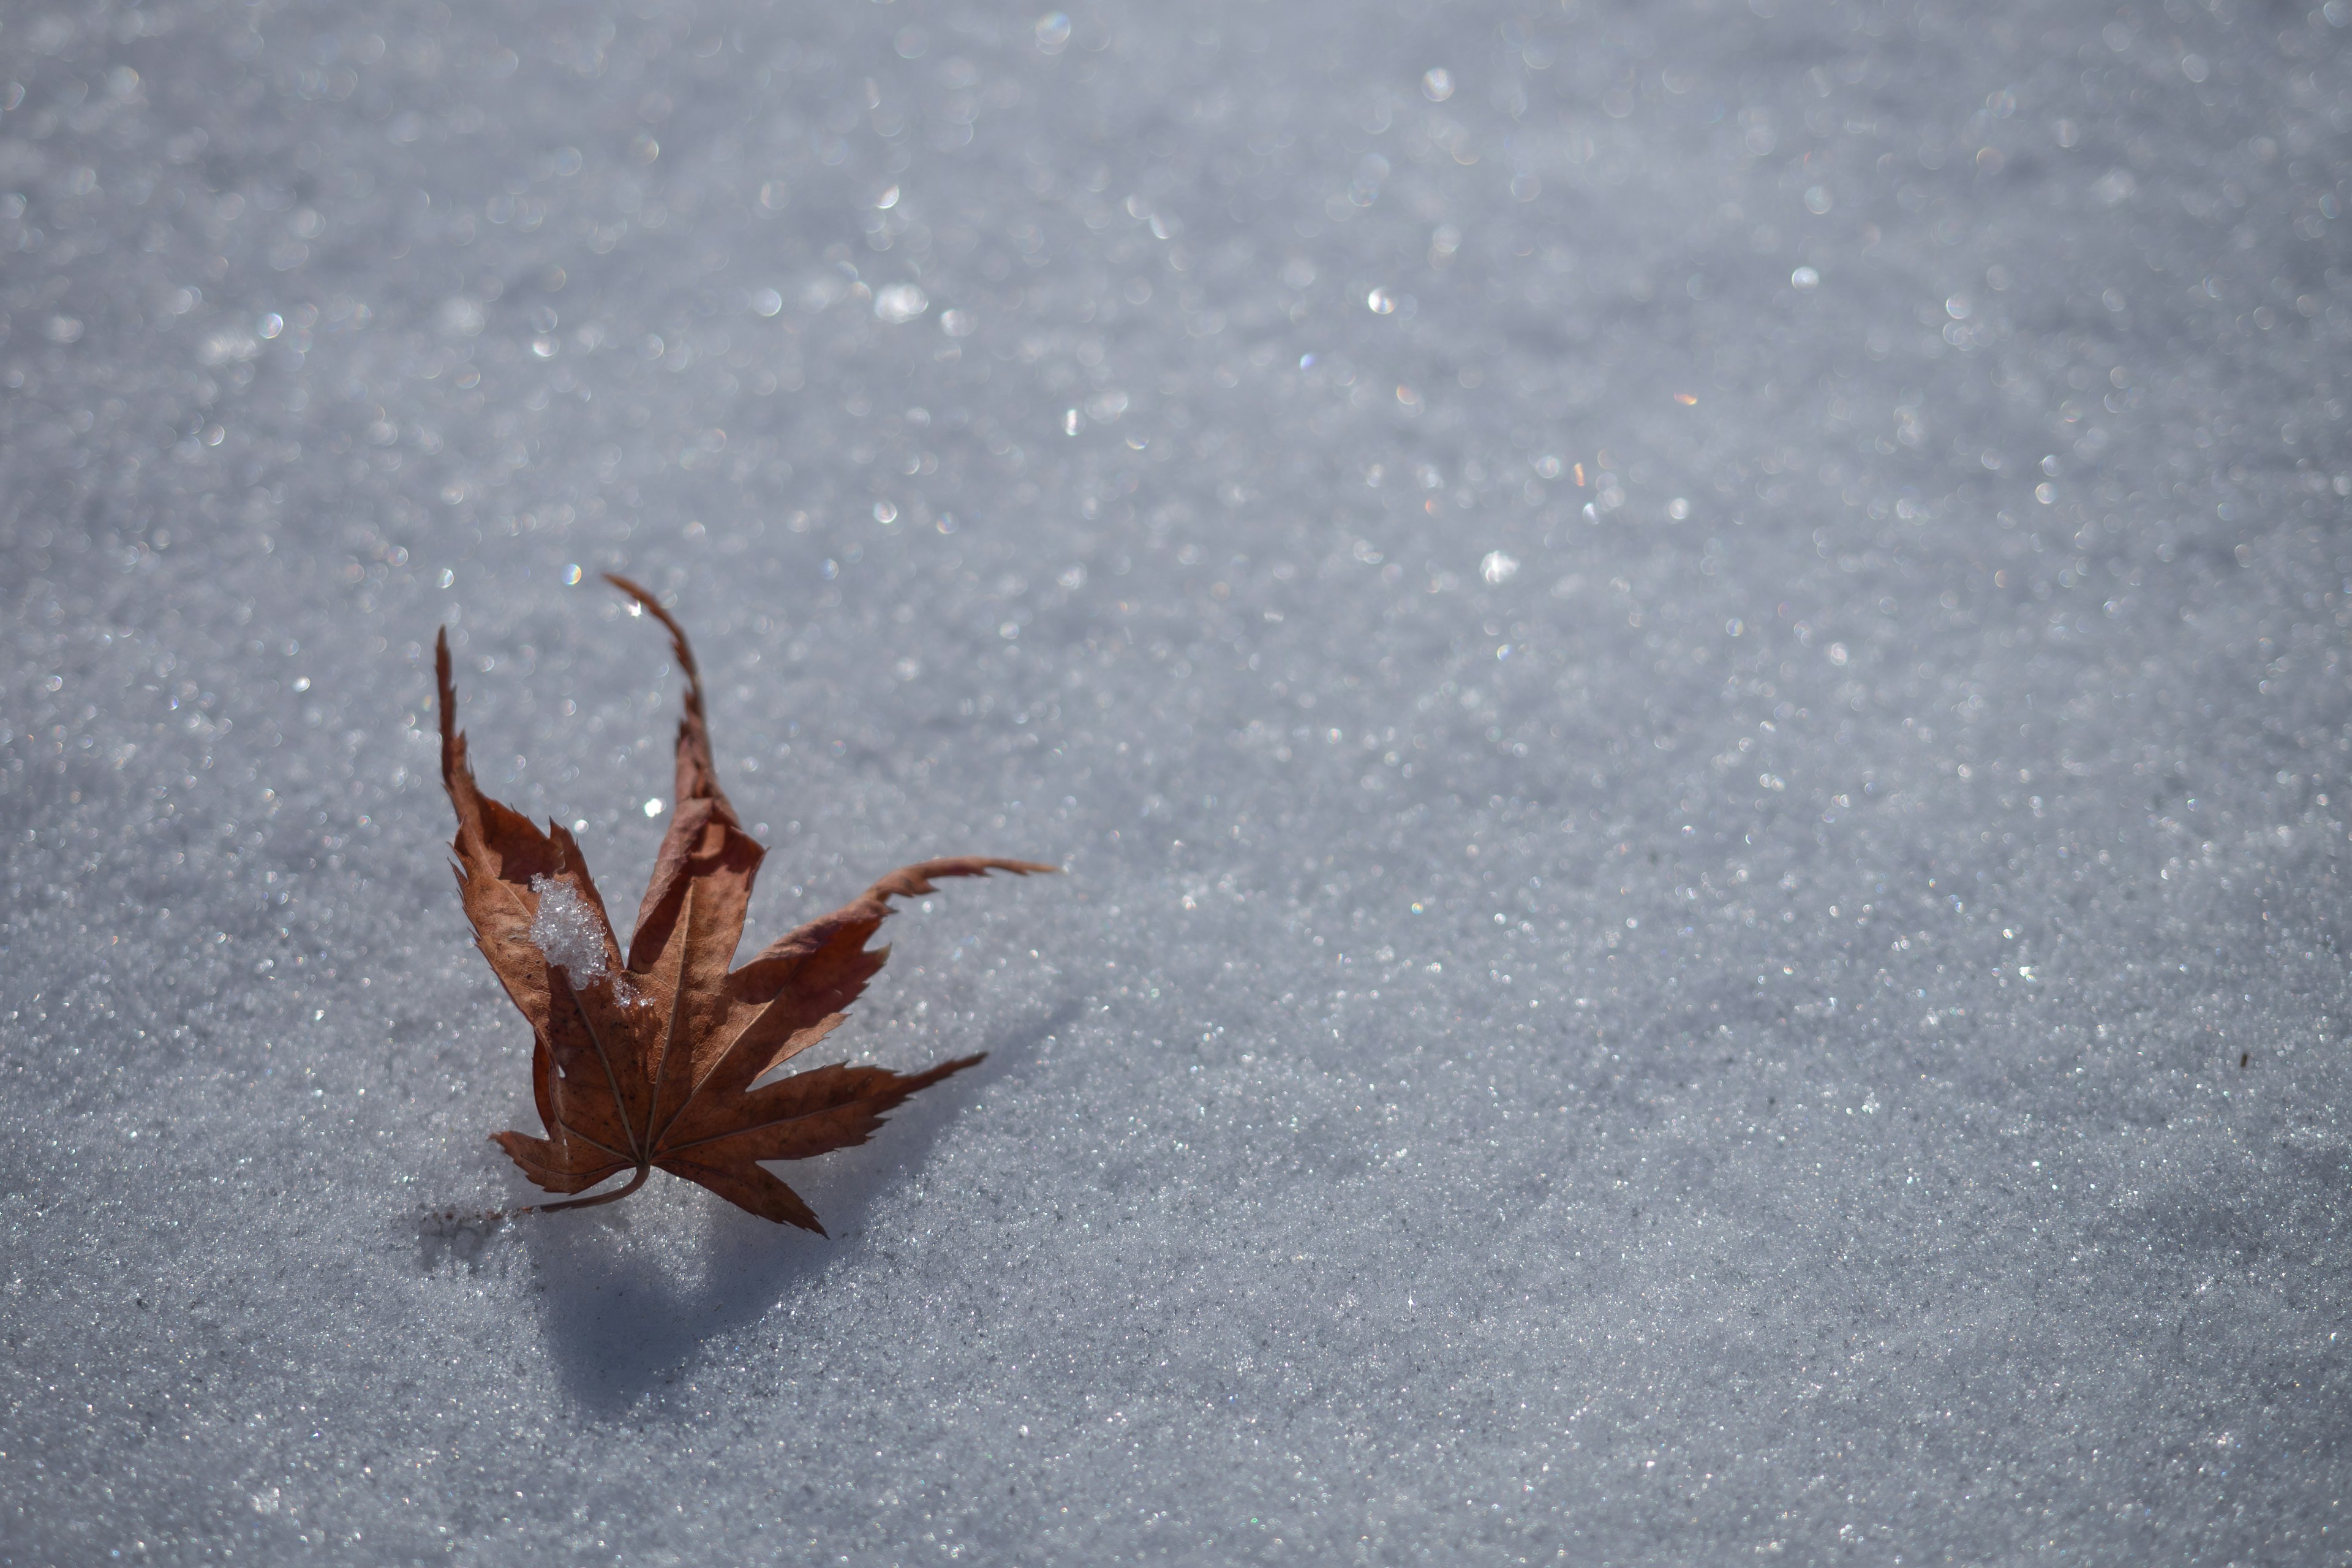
<point x="620" y="1320"/>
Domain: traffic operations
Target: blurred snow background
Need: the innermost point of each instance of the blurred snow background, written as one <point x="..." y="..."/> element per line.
<point x="1687" y="658"/>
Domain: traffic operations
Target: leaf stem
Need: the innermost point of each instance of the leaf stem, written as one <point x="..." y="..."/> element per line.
<point x="615" y="1196"/>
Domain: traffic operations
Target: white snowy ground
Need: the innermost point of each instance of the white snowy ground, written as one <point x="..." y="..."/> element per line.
<point x="1688" y="661"/>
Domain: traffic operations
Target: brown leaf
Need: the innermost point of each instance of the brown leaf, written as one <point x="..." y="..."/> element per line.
<point x="653" y="1060"/>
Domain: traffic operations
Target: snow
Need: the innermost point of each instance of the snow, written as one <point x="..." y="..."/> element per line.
<point x="1687" y="660"/>
<point x="565" y="929"/>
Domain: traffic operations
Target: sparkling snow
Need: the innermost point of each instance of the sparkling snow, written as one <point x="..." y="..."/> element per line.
<point x="565" y="928"/>
<point x="1688" y="658"/>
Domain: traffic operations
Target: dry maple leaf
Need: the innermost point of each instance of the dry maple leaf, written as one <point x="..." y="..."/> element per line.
<point x="654" y="1061"/>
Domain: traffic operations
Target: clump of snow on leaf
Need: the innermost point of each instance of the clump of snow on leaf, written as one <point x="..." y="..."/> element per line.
<point x="565" y="929"/>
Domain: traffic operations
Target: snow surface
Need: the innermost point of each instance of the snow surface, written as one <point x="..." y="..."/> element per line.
<point x="1688" y="659"/>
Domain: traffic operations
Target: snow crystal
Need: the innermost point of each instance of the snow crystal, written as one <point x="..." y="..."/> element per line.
<point x="566" y="930"/>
